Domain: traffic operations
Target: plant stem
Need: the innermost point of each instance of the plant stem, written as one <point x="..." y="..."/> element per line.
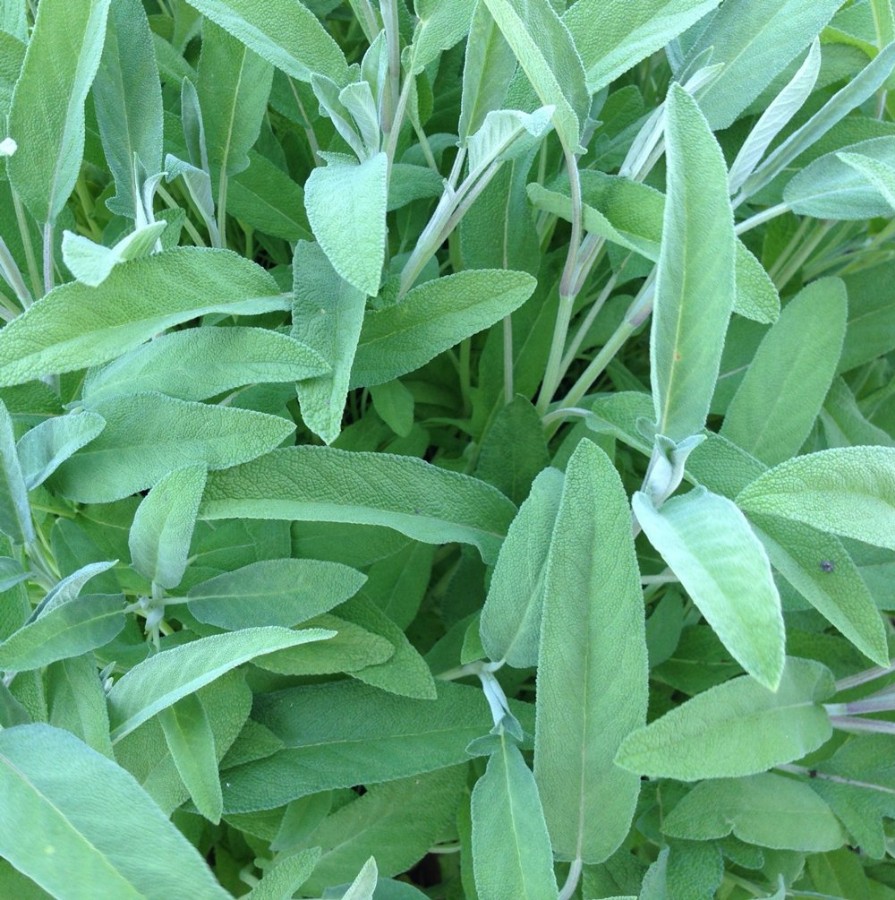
<point x="508" y="359"/>
<point x="572" y="879"/>
<point x="761" y="217"/>
<point x="799" y="258"/>
<point x="853" y="681"/>
<point x="48" y="257"/>
<point x="25" y="233"/>
<point x="222" y="209"/>
<point x="13" y="276"/>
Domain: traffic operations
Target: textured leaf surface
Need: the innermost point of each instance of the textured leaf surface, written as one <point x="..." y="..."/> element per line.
<point x="15" y="512"/>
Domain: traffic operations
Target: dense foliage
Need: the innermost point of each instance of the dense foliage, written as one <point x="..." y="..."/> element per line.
<point x="447" y="450"/>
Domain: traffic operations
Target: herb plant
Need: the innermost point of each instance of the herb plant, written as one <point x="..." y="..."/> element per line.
<point x="447" y="450"/>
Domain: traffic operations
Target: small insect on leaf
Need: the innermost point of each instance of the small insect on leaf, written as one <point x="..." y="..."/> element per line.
<point x="827" y="565"/>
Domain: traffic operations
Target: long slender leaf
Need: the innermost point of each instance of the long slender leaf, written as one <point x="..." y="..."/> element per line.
<point x="15" y="512"/>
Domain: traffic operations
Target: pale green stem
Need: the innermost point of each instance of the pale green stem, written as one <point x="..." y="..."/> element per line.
<point x="508" y="359"/>
<point x="565" y="412"/>
<point x="799" y="258"/>
<point x="572" y="879"/>
<point x="392" y="135"/>
<point x="761" y="217"/>
<point x="190" y="229"/>
<point x="837" y="779"/>
<point x="790" y="248"/>
<point x="48" y="257"/>
<point x="585" y="326"/>
<point x="853" y="681"/>
<point x="13" y="276"/>
<point x="222" y="209"/>
<point x="30" y="257"/>
<point x="366" y="17"/>
<point x="389" y="11"/>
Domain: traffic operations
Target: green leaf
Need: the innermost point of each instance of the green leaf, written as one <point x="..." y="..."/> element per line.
<point x="148" y="435"/>
<point x="547" y="55"/>
<point x="47" y="115"/>
<point x="845" y="425"/>
<point x="848" y="491"/>
<point x="163" y="679"/>
<point x="323" y="484"/>
<point x="836" y="185"/>
<point x="507" y="134"/>
<point x="346" y="205"/>
<point x="76" y="326"/>
<point x="695" y="275"/>
<point x="233" y="85"/>
<point x="405" y="737"/>
<point x="737" y="728"/>
<point x="510" y="844"/>
<point x="394" y="404"/>
<point x="879" y="173"/>
<point x="128" y="100"/>
<point x="439" y="27"/>
<point x="281" y="592"/>
<point x="160" y="536"/>
<point x="285" y="876"/>
<point x="592" y="667"/>
<point x="91" y="263"/>
<point x="364" y="885"/>
<point x="67" y="809"/>
<point x="784" y="388"/>
<point x="613" y="36"/>
<point x="327" y="314"/>
<point x="77" y="702"/>
<point x="755" y="40"/>
<point x="722" y="565"/>
<point x="285" y="33"/>
<point x="432" y="318"/>
<point x="190" y="740"/>
<point x="198" y="363"/>
<point x="765" y="809"/>
<point x="488" y="68"/>
<point x="69" y="629"/>
<point x="511" y="616"/>
<point x="15" y="512"/>
<point x="46" y="446"/>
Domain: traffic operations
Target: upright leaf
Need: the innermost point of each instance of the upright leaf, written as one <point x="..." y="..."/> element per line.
<point x="546" y="53"/>
<point x="61" y="796"/>
<point x="695" y="275"/>
<point x="510" y="844"/>
<point x="346" y="204"/>
<point x="76" y="326"/>
<point x="233" y="86"/>
<point x="613" y="36"/>
<point x="128" y="100"/>
<point x="848" y="491"/>
<point x="592" y="666"/>
<point x="439" y="27"/>
<point x="709" y="545"/>
<point x="285" y="33"/>
<point x="323" y="484"/>
<point x="46" y="446"/>
<point x="327" y="314"/>
<point x="15" y="513"/>
<point x="784" y="387"/>
<point x="432" y="318"/>
<point x="47" y="115"/>
<point x="148" y="435"/>
<point x="162" y="530"/>
<point x="163" y="679"/>
<point x="737" y="728"/>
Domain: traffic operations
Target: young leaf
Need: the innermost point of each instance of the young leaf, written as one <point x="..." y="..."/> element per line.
<point x="439" y="27"/>
<point x="190" y="740"/>
<point x="91" y="263"/>
<point x="148" y="435"/>
<point x="198" y="363"/>
<point x="695" y="275"/>
<point x="47" y="115"/>
<point x="612" y="37"/>
<point x="737" y="728"/>
<point x="281" y="592"/>
<point x="233" y="85"/>
<point x="77" y="702"/>
<point x="776" y="404"/>
<point x="46" y="446"/>
<point x="346" y="205"/>
<point x="755" y="40"/>
<point x="592" y="666"/>
<point x="323" y="484"/>
<point x="510" y="844"/>
<point x="60" y="794"/>
<point x="511" y="618"/>
<point x="15" y="512"/>
<point x="76" y="326"/>
<point x="128" y="100"/>
<point x="160" y="536"/>
<point x="69" y="629"/>
<point x="432" y="318"/>
<point x="507" y="134"/>
<point x="709" y="545"/>
<point x="766" y="809"/>
<point x="545" y="51"/>
<point x="285" y="33"/>
<point x="327" y="314"/>
<point x="879" y="173"/>
<point x="285" y="876"/>
<point x="163" y="679"/>
<point x="364" y="885"/>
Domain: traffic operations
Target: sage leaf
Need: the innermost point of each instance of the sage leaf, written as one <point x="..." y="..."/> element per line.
<point x="46" y="446"/>
<point x="85" y="804"/>
<point x="737" y="728"/>
<point x="695" y="275"/>
<point x="322" y="484"/>
<point x="15" y="511"/>
<point x="91" y="263"/>
<point x="709" y="545"/>
<point x="848" y="491"/>
<point x="163" y="679"/>
<point x="592" y="665"/>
